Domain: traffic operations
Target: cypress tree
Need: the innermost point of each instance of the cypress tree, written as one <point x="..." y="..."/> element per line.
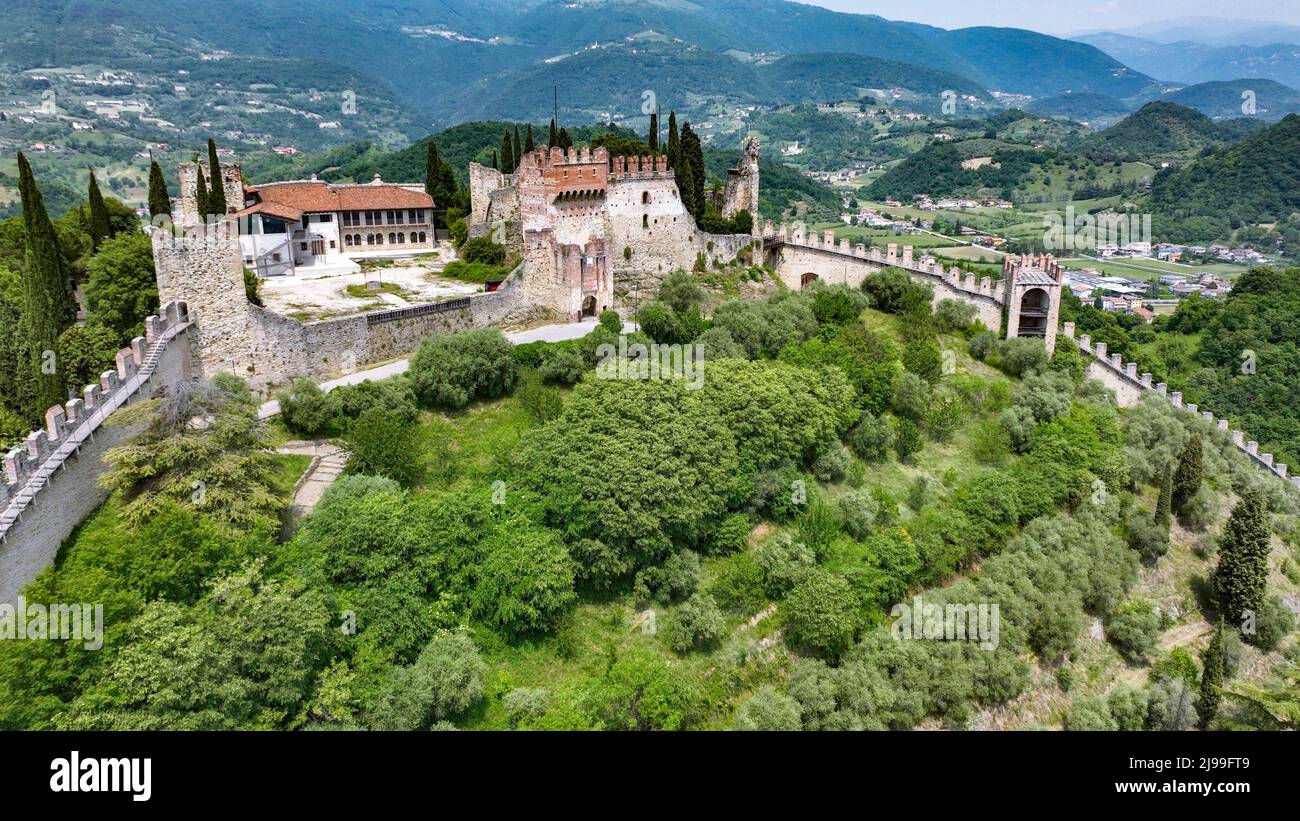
<point x="529" y="145"/>
<point x="674" y="141"/>
<point x="201" y="196"/>
<point x="99" y="226"/>
<point x="48" y="304"/>
<point x="496" y="162"/>
<point x="1164" y="503"/>
<point x="654" y="133"/>
<point x="1213" y="672"/>
<point x="693" y="154"/>
<point x="217" y="191"/>
<point x="1187" y="479"/>
<point x="518" y="149"/>
<point x="1242" y="572"/>
<point x="685" y="189"/>
<point x="553" y="139"/>
<point x="564" y="140"/>
<point x="507" y="153"/>
<point x="159" y="200"/>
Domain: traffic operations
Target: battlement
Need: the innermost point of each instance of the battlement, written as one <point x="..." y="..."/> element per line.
<point x="1117" y="371"/>
<point x="892" y="257"/>
<point x="545" y="158"/>
<point x="27" y="467"/>
<point x="1013" y="264"/>
<point x="640" y="168"/>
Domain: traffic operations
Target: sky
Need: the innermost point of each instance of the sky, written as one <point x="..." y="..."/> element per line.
<point x="1065" y="16"/>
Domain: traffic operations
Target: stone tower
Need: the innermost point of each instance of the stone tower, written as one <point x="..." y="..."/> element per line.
<point x="1033" y="296"/>
<point x="742" y="184"/>
<point x="232" y="182"/>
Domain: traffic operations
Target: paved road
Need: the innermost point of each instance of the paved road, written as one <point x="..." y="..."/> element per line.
<point x="546" y="333"/>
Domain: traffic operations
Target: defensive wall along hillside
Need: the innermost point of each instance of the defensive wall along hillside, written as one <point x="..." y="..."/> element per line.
<point x="1026" y="301"/>
<point x="50" y="483"/>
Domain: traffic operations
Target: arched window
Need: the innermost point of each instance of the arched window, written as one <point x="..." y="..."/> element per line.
<point x="645" y="220"/>
<point x="392" y="238"/>
<point x="379" y="239"/>
<point x="347" y="239"/>
<point x="422" y="239"/>
<point x="645" y="198"/>
<point x="401" y="237"/>
<point x="370" y="239"/>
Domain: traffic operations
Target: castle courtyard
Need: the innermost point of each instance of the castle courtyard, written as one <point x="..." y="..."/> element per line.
<point x="403" y="282"/>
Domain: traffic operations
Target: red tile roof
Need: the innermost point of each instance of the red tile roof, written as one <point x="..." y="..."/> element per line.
<point x="318" y="197"/>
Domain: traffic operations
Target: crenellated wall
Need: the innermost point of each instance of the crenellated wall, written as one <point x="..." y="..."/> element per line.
<point x="794" y="254"/>
<point x="51" y="482"/>
<point x="1130" y="385"/>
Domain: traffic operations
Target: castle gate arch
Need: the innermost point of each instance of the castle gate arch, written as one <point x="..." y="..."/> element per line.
<point x="1034" y="308"/>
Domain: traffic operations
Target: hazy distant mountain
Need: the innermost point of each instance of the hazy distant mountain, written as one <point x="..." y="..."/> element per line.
<point x="1085" y="107"/>
<point x="1210" y="31"/>
<point x="1192" y="62"/>
<point x="429" y="51"/>
<point x="1263" y="99"/>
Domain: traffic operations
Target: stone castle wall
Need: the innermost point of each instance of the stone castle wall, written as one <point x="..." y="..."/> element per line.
<point x="1130" y="386"/>
<point x="794" y="254"/>
<point x="232" y="182"/>
<point x="231" y="335"/>
<point x="51" y="483"/>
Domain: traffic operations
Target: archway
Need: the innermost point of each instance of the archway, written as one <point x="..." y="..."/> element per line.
<point x="807" y="280"/>
<point x="1034" y="307"/>
<point x="589" y="306"/>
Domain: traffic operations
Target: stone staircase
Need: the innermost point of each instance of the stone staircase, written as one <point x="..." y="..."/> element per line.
<point x="327" y="464"/>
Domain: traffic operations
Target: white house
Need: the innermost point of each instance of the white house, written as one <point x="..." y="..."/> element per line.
<point x="287" y="226"/>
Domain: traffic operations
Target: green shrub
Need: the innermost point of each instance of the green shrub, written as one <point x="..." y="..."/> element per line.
<point x="858" y="510"/>
<point x="384" y="443"/>
<point x="696" y="622"/>
<point x="1177" y="663"/>
<point x="562" y="366"/>
<point x="450" y="371"/>
<point x="783" y="562"/>
<point x="872" y="438"/>
<point x="821" y="614"/>
<point x="732" y="535"/>
<point x="541" y="402"/>
<point x="769" y="711"/>
<point x="305" y="408"/>
<point x="1274" y="622"/>
<point x="1090" y="714"/>
<point x="832" y="464"/>
<point x="907" y="439"/>
<point x="392" y="395"/>
<point x="445" y="681"/>
<point x="1133" y="628"/>
<point x="484" y="251"/>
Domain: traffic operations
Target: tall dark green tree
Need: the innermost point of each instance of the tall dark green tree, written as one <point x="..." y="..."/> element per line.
<point x="693" y="153"/>
<point x="1164" y="503"/>
<point x="431" y="160"/>
<point x="100" y="230"/>
<point x="674" y="141"/>
<point x="1213" y="672"/>
<point x="529" y="145"/>
<point x="48" y="304"/>
<point x="496" y="161"/>
<point x="217" y="190"/>
<point x="553" y="139"/>
<point x="507" y="153"/>
<point x="201" y="200"/>
<point x="1187" y="478"/>
<point x="563" y="140"/>
<point x="685" y="189"/>
<point x="653" y="142"/>
<point x="160" y="202"/>
<point x="518" y="148"/>
<point x="1242" y="573"/>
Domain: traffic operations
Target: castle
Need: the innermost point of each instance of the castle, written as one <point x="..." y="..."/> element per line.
<point x="589" y="227"/>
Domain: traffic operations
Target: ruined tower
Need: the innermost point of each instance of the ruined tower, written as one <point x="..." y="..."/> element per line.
<point x="742" y="184"/>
